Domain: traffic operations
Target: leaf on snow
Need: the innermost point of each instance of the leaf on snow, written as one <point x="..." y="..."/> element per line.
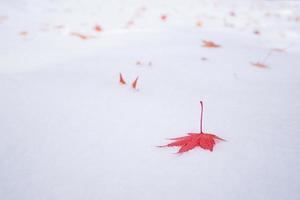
<point x="193" y="140"/>
<point x="98" y="28"/>
<point x="80" y="35"/>
<point x="258" y="64"/>
<point x="210" y="44"/>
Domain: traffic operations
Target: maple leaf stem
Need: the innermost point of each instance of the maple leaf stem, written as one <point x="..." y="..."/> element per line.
<point x="201" y="115"/>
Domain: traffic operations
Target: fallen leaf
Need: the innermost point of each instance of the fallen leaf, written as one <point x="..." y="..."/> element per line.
<point x="193" y="140"/>
<point x="81" y="36"/>
<point x="98" y="28"/>
<point x="258" y="64"/>
<point x="199" y="23"/>
<point x="163" y="17"/>
<point x="256" y="32"/>
<point x="210" y="44"/>
<point x="121" y="80"/>
<point x="134" y="84"/>
<point x="23" y="33"/>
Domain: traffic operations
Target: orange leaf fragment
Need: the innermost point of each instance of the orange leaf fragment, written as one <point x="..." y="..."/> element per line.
<point x="98" y="28"/>
<point x="134" y="84"/>
<point x="23" y="33"/>
<point x="256" y="32"/>
<point x="163" y="17"/>
<point x="121" y="80"/>
<point x="81" y="36"/>
<point x="210" y="44"/>
<point x="258" y="64"/>
<point x="199" y="23"/>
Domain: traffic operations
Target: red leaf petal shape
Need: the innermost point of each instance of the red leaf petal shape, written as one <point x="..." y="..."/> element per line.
<point x="121" y="80"/>
<point x="186" y="143"/>
<point x="189" y="146"/>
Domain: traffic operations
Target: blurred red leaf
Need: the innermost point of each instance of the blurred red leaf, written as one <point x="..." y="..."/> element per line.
<point x="163" y="17"/>
<point x="23" y="33"/>
<point x="98" y="28"/>
<point x="81" y="36"/>
<point x="210" y="44"/>
<point x="121" y="80"/>
<point x="199" y="23"/>
<point x="256" y="32"/>
<point x="258" y="64"/>
<point x="134" y="84"/>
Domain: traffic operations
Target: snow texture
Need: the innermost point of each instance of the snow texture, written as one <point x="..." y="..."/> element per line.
<point x="69" y="131"/>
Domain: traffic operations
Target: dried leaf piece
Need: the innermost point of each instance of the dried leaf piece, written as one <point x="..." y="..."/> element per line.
<point x="210" y="44"/>
<point x="81" y="36"/>
<point x="199" y="23"/>
<point x="121" y="80"/>
<point x="258" y="64"/>
<point x="193" y="140"/>
<point x="23" y="33"/>
<point x="134" y="84"/>
<point x="98" y="28"/>
<point x="163" y="17"/>
<point x="256" y="32"/>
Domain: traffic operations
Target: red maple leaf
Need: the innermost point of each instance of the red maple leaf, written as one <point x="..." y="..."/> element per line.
<point x="192" y="140"/>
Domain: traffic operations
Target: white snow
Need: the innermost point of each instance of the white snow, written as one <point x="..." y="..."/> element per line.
<point x="69" y="131"/>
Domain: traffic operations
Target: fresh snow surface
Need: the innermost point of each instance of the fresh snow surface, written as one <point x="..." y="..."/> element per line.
<point x="69" y="131"/>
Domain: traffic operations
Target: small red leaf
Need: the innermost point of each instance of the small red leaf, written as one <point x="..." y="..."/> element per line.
<point x="134" y="84"/>
<point x="121" y="80"/>
<point x="98" y="28"/>
<point x="210" y="44"/>
<point x="258" y="64"/>
<point x="163" y="17"/>
<point x="23" y="33"/>
<point x="81" y="36"/>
